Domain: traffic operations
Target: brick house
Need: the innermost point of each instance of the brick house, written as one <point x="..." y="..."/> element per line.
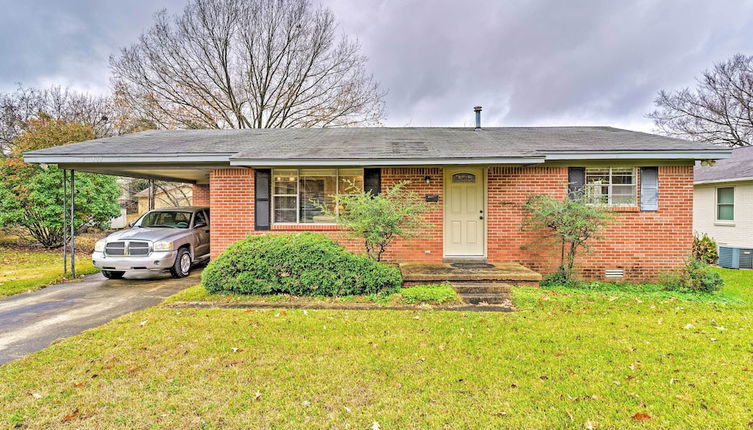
<point x="475" y="181"/>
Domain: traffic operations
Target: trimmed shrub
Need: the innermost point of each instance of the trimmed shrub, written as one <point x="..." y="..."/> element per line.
<point x="704" y="249"/>
<point x="303" y="264"/>
<point x="434" y="293"/>
<point x="696" y="276"/>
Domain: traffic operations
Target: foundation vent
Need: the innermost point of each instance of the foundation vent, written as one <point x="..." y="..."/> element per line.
<point x="614" y="273"/>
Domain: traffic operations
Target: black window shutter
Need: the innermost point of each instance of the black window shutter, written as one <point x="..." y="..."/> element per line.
<point x="262" y="191"/>
<point x="576" y="180"/>
<point x="372" y="180"/>
<point x="649" y="188"/>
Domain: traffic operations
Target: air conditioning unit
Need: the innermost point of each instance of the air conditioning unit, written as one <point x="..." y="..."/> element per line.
<point x="735" y="258"/>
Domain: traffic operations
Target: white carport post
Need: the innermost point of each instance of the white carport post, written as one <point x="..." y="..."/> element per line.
<point x="65" y="221"/>
<point x="73" y="224"/>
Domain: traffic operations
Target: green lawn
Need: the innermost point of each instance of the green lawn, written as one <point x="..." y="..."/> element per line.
<point x="24" y="269"/>
<point x="568" y="359"/>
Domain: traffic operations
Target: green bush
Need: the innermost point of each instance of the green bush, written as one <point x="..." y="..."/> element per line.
<point x="435" y="293"/>
<point x="560" y="278"/>
<point x="704" y="249"/>
<point x="304" y="264"/>
<point x="696" y="276"/>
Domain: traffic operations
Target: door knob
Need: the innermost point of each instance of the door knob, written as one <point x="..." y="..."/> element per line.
<point x="481" y="217"/>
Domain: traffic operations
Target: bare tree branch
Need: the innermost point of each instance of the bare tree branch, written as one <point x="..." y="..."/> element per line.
<point x="718" y="110"/>
<point x="246" y="64"/>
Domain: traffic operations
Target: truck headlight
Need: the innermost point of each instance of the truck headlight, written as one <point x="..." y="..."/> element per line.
<point x="100" y="245"/>
<point x="163" y="245"/>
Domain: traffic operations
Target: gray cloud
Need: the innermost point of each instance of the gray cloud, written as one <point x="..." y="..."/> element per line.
<point x="68" y="42"/>
<point x="527" y="62"/>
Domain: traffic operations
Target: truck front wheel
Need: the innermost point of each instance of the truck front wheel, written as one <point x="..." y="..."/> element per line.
<point x="182" y="265"/>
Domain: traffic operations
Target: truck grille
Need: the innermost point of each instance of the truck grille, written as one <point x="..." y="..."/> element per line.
<point x="138" y="248"/>
<point x="124" y="248"/>
<point x="115" y="248"/>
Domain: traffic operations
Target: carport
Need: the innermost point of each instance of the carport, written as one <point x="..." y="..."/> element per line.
<point x="98" y="157"/>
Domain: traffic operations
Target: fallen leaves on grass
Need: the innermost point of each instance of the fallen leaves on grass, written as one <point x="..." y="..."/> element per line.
<point x="72" y="416"/>
<point x="641" y="416"/>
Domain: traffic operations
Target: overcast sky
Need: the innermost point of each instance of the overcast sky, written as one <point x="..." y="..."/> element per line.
<point x="527" y="62"/>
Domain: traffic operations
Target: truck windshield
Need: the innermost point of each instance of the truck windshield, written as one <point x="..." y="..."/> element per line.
<point x="170" y="219"/>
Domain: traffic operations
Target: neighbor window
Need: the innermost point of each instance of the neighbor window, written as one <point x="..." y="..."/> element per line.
<point x="725" y="204"/>
<point x="610" y="186"/>
<point x="298" y="195"/>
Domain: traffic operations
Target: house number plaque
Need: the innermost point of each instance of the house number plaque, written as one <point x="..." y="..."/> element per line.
<point x="464" y="177"/>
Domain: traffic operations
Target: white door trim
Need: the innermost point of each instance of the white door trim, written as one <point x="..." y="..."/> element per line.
<point x="447" y="177"/>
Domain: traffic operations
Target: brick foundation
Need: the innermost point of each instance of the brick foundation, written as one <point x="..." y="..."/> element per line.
<point x="642" y="243"/>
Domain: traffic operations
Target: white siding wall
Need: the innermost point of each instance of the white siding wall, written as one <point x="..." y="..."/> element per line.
<point x="738" y="233"/>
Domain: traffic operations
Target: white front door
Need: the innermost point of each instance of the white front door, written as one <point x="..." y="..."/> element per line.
<point x="464" y="212"/>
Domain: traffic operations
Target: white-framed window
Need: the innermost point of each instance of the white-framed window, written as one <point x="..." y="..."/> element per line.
<point x="610" y="186"/>
<point x="299" y="194"/>
<point x="725" y="204"/>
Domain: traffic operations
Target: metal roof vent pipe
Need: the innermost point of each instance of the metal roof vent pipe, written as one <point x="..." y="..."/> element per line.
<point x="477" y="109"/>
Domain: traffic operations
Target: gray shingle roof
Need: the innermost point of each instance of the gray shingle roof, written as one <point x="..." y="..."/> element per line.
<point x="373" y="143"/>
<point x="739" y="166"/>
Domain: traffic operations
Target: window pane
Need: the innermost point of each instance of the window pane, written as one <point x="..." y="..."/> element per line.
<point x="623" y="178"/>
<point x="597" y="176"/>
<point x="597" y="194"/>
<point x="623" y="189"/>
<point x="317" y="188"/>
<point x="623" y="199"/>
<point x="284" y="209"/>
<point x="726" y="195"/>
<point x="285" y="181"/>
<point x="351" y="181"/>
<point x="726" y="213"/>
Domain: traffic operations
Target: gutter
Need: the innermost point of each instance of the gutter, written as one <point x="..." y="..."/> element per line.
<point x="719" y="181"/>
<point x="31" y="157"/>
<point x="256" y="162"/>
<point x="640" y="155"/>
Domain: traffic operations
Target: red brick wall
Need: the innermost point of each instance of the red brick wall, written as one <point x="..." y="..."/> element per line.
<point x="200" y="195"/>
<point x="231" y="198"/>
<point x="508" y="190"/>
<point x="647" y="243"/>
<point x="643" y="243"/>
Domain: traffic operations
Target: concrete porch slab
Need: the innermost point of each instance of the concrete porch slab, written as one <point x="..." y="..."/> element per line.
<point x="511" y="273"/>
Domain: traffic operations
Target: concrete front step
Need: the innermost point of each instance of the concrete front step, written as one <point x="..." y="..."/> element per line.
<point x="490" y="299"/>
<point x="431" y="273"/>
<point x="481" y="288"/>
<point x="483" y="292"/>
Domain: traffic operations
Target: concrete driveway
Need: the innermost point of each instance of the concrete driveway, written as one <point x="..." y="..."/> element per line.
<point x="32" y="321"/>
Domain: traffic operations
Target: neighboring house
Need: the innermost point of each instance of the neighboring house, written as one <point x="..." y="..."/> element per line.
<point x="475" y="180"/>
<point x="166" y="196"/>
<point x="723" y="206"/>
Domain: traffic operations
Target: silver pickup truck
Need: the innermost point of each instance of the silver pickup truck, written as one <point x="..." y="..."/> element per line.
<point x="163" y="239"/>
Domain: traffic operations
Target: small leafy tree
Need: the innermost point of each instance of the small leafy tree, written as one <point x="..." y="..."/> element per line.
<point x="570" y="222"/>
<point x="379" y="219"/>
<point x="31" y="197"/>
